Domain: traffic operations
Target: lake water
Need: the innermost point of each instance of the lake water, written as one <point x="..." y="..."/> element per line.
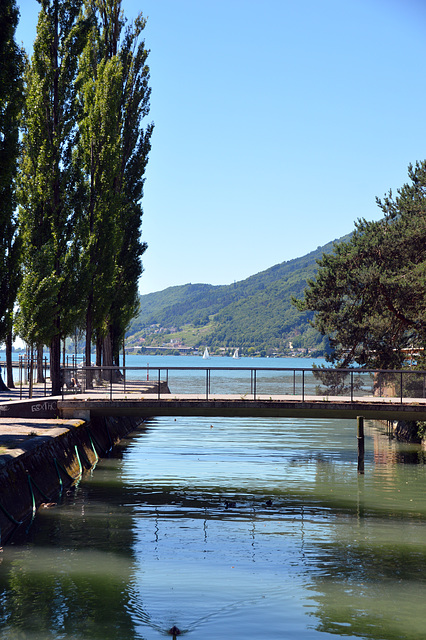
<point x="229" y="528"/>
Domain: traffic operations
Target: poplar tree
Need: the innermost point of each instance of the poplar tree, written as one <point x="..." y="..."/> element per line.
<point x="48" y="305"/>
<point x="113" y="151"/>
<point x="11" y="69"/>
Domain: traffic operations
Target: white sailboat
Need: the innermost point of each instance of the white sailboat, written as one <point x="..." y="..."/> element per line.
<point x="236" y="356"/>
<point x="206" y="354"/>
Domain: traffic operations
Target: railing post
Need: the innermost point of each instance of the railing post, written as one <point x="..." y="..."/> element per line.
<point x="207" y="384"/>
<point x="360" y="437"/>
<point x="110" y="384"/>
<point x="254" y="386"/>
<point x="401" y="387"/>
<point x="352" y="386"/>
<point x="159" y="378"/>
<point x="303" y="385"/>
<point x="294" y="382"/>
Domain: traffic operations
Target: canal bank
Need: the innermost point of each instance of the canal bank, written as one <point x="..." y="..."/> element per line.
<point x="40" y="458"/>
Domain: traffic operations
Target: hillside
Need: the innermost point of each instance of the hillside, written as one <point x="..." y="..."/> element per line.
<point x="254" y="314"/>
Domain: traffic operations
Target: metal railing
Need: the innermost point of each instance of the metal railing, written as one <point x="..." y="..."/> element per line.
<point x="249" y="383"/>
<point x="29" y="380"/>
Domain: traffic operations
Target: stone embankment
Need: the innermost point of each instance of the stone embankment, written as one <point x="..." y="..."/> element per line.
<point x="41" y="456"/>
<point x="405" y="430"/>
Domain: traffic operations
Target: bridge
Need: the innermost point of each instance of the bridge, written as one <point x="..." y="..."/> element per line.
<point x="246" y="391"/>
<point x="89" y="392"/>
<point x="235" y="391"/>
<point x="274" y="407"/>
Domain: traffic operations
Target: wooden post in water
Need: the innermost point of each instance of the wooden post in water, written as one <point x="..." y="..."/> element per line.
<point x="360" y="438"/>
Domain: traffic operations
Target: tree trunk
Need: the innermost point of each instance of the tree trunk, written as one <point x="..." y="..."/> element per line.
<point x="31" y="373"/>
<point x="98" y="350"/>
<point x="9" y="367"/>
<point x="88" y="349"/>
<point x="55" y="365"/>
<point x="107" y="374"/>
<point x="40" y="375"/>
<point x="2" y="385"/>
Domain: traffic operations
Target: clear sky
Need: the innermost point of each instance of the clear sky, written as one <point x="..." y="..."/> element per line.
<point x="277" y="123"/>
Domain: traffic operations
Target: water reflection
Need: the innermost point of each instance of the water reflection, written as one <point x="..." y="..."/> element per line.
<point x="242" y="529"/>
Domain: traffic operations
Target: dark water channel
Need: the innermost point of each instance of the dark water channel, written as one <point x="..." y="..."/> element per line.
<point x="242" y="529"/>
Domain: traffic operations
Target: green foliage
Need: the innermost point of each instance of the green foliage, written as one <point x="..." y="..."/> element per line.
<point x="11" y="100"/>
<point x="48" y="297"/>
<point x="111" y="157"/>
<point x="421" y="429"/>
<point x="369" y="295"/>
<point x="256" y="312"/>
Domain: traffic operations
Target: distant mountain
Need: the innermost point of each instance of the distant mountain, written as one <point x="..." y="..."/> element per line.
<point x="255" y="314"/>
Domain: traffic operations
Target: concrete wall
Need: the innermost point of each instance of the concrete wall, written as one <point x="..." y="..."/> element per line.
<point x="34" y="478"/>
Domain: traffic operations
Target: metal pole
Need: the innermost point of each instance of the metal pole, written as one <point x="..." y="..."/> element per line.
<point x="254" y="387"/>
<point x="303" y="385"/>
<point x="360" y="437"/>
<point x="352" y="386"/>
<point x="207" y="384"/>
<point x="294" y="382"/>
<point x="110" y="384"/>
<point x="401" y="387"/>
<point x="159" y="378"/>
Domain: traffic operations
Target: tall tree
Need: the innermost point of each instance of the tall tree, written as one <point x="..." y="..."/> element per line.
<point x="114" y="98"/>
<point x="47" y="302"/>
<point x="11" y="99"/>
<point x="369" y="295"/>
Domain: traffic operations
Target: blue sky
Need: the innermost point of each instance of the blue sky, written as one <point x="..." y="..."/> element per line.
<point x="277" y="123"/>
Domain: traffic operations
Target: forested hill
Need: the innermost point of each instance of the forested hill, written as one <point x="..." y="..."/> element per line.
<point x="256" y="312"/>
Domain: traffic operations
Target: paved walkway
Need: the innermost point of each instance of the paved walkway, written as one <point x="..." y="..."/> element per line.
<point x="20" y="435"/>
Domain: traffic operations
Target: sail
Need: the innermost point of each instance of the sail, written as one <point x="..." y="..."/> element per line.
<point x="206" y="354"/>
<point x="236" y="356"/>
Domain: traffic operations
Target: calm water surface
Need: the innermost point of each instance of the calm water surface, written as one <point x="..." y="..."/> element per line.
<point x="231" y="528"/>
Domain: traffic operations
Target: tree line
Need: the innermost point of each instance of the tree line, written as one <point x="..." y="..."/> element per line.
<point x="74" y="147"/>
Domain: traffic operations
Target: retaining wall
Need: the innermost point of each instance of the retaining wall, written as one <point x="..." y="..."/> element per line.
<point x="40" y="475"/>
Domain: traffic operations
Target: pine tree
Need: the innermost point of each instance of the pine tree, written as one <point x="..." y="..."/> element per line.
<point x="369" y="295"/>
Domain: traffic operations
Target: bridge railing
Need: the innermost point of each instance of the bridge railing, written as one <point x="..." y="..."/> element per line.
<point x="245" y="382"/>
